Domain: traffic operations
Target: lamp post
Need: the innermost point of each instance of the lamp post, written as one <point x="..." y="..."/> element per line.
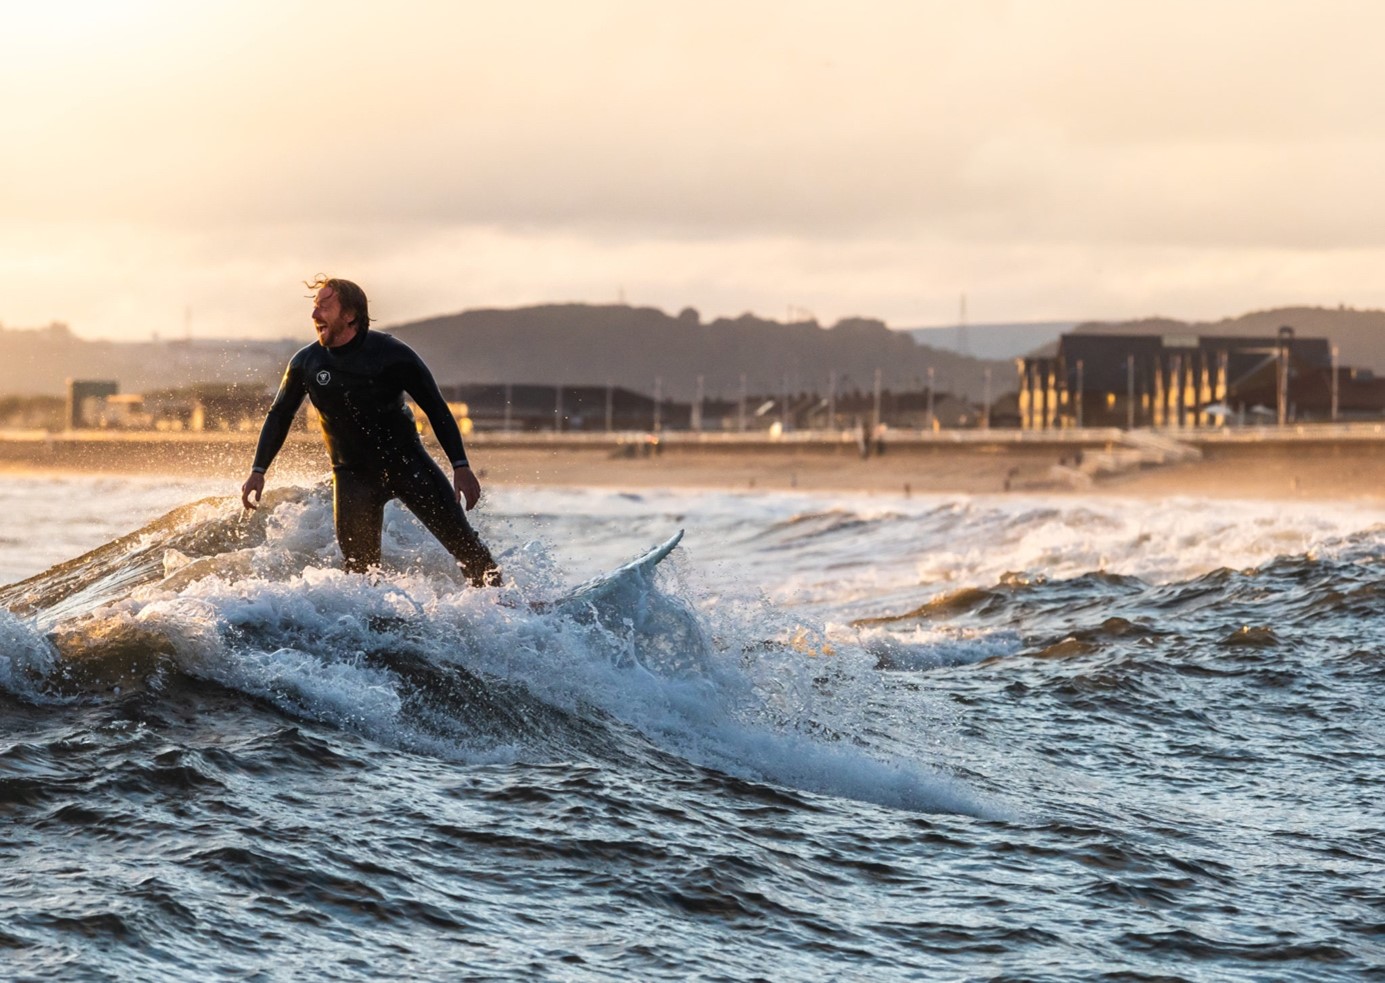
<point x="1286" y="340"/>
<point x="986" y="401"/>
<point x="1078" y="396"/>
<point x="1130" y="392"/>
<point x="1335" y="353"/>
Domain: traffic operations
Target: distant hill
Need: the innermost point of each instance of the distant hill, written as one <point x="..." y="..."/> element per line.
<point x="631" y="346"/>
<point x="1360" y="335"/>
<point x="574" y="344"/>
<point x="991" y="341"/>
<point x="580" y="344"/>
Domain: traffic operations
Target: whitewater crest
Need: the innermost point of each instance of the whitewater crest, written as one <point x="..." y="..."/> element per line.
<point x="412" y="658"/>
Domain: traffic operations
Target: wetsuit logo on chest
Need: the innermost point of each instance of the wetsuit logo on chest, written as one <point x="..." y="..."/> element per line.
<point x="324" y="377"/>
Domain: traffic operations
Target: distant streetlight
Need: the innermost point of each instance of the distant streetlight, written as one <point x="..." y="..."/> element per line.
<point x="1079" y="394"/>
<point x="1130" y="392"/>
<point x="1286" y="340"/>
<point x="1335" y="353"/>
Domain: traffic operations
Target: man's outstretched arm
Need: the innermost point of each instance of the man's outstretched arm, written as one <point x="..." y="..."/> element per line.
<point x="419" y="384"/>
<point x="274" y="432"/>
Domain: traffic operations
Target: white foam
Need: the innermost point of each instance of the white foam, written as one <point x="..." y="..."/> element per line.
<point x="740" y="663"/>
<point x="916" y="648"/>
<point x="755" y="711"/>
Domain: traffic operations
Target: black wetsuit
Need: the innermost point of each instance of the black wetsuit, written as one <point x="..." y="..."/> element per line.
<point x="358" y="389"/>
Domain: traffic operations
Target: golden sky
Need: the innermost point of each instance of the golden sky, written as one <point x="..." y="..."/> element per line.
<point x="1052" y="159"/>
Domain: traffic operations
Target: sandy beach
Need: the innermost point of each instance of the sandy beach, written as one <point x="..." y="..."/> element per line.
<point x="1328" y="469"/>
<point x="1326" y="473"/>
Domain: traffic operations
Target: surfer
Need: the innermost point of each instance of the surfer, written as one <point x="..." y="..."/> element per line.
<point x="357" y="378"/>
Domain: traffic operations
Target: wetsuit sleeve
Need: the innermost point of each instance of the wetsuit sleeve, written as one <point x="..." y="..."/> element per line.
<point x="418" y="383"/>
<point x="277" y="422"/>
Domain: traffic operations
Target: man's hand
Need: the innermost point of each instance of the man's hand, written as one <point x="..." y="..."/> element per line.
<point x="468" y="488"/>
<point x="254" y="483"/>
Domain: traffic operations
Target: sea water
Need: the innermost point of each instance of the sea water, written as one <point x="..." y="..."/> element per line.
<point x="837" y="737"/>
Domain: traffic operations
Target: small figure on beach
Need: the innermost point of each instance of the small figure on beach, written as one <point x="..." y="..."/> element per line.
<point x="357" y="380"/>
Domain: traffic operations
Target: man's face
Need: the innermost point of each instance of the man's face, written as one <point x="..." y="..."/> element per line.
<point x="331" y="323"/>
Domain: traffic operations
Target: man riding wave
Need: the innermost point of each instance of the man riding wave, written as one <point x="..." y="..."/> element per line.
<point x="357" y="380"/>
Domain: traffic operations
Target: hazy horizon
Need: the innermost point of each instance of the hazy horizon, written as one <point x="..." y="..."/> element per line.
<point x="174" y="168"/>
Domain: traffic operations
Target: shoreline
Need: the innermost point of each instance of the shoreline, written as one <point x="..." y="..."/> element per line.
<point x="1327" y="468"/>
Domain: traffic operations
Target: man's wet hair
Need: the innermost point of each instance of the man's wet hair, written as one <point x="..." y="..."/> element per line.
<point x="352" y="297"/>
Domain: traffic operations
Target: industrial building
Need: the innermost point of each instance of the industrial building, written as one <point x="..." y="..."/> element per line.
<point x="1177" y="381"/>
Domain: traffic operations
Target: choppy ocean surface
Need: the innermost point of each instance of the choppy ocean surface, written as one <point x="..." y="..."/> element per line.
<point x="938" y="738"/>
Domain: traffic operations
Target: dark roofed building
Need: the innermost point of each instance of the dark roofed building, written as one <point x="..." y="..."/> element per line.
<point x="1186" y="380"/>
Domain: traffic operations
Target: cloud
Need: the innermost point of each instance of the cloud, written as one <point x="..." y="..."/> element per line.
<point x="716" y="119"/>
<point x="1056" y="156"/>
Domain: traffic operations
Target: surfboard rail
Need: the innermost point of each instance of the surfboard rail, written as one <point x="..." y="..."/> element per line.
<point x="591" y="592"/>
